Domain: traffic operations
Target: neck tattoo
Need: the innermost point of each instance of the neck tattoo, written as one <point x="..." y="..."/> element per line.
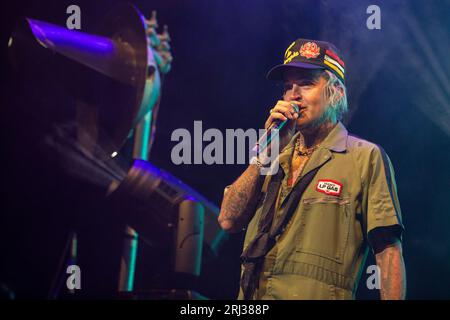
<point x="300" y="148"/>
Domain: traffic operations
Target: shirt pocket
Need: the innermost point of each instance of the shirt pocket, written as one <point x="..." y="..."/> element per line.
<point x="325" y="226"/>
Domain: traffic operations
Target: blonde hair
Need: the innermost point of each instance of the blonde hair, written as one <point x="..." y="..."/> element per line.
<point x="335" y="94"/>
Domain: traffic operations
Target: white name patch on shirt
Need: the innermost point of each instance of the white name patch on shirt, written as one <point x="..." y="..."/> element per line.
<point x="329" y="187"/>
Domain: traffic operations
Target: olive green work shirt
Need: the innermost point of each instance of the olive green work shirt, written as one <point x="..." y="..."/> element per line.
<point x="321" y="252"/>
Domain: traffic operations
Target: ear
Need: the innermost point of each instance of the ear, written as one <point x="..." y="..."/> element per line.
<point x="341" y="92"/>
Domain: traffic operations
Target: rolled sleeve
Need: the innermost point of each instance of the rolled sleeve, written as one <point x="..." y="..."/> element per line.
<point x="383" y="207"/>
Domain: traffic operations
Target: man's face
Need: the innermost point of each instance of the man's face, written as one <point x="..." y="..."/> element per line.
<point x="306" y="87"/>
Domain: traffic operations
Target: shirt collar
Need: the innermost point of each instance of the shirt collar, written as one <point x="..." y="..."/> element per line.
<point x="335" y="141"/>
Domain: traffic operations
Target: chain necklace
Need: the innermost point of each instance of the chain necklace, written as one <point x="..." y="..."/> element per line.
<point x="300" y="149"/>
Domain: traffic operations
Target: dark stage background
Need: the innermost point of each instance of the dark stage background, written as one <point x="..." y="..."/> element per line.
<point x="398" y="89"/>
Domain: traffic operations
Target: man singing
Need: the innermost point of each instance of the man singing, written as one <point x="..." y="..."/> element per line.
<point x="309" y="226"/>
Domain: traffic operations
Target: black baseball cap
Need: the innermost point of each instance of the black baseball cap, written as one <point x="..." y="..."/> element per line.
<point x="310" y="54"/>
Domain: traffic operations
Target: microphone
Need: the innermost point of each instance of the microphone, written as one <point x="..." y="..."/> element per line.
<point x="272" y="132"/>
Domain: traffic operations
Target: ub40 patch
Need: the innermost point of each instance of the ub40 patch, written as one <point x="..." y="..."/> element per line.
<point x="329" y="187"/>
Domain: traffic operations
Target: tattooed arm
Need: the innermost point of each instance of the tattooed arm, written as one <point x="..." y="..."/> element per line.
<point x="239" y="201"/>
<point x="388" y="253"/>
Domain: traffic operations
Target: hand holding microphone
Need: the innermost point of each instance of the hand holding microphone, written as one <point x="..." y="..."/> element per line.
<point x="281" y="113"/>
<point x="282" y="117"/>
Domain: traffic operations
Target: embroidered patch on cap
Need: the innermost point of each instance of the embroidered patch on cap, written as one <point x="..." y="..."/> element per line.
<point x="329" y="187"/>
<point x="309" y="50"/>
